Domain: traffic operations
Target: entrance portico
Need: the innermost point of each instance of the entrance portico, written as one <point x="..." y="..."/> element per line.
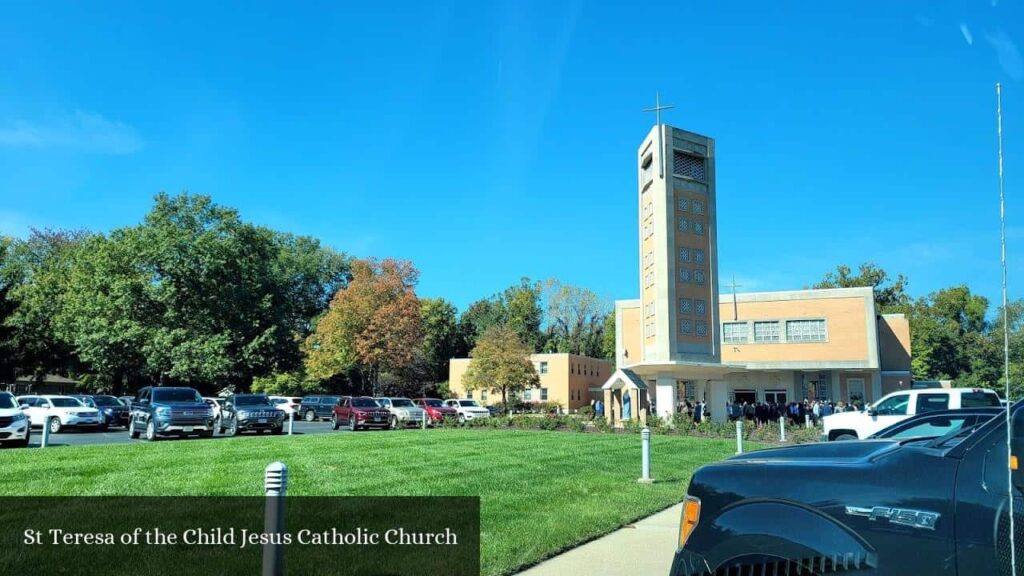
<point x="666" y="378"/>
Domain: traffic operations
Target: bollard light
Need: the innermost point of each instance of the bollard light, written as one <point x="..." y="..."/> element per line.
<point x="46" y="434"/>
<point x="782" y="428"/>
<point x="807" y="420"/>
<point x="275" y="484"/>
<point x="291" y="422"/>
<point x="645" y="456"/>
<point x="739" y="436"/>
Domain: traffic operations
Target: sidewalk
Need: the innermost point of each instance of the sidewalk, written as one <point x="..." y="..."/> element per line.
<point x="645" y="547"/>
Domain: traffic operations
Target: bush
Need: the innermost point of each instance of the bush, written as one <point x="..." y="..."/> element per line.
<point x="577" y="424"/>
<point x="586" y="412"/>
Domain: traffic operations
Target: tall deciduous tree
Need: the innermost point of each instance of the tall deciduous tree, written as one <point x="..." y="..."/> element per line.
<point x="575" y="320"/>
<point x="608" y="338"/>
<point x="890" y="294"/>
<point x="442" y="340"/>
<point x="373" y="325"/>
<point x="501" y="363"/>
<point x="518" y="307"/>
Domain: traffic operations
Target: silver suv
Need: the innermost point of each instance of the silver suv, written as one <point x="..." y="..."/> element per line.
<point x="403" y="412"/>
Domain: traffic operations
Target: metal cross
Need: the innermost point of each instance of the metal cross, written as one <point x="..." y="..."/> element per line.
<point x="734" y="286"/>
<point x="657" y="119"/>
<point x="658" y="108"/>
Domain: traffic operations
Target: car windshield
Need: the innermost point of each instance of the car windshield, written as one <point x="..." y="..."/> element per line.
<point x="7" y="401"/>
<point x="106" y="401"/>
<point x="434" y="402"/>
<point x="177" y="395"/>
<point x="402" y="403"/>
<point x="979" y="400"/>
<point x="928" y="429"/>
<point x="330" y="399"/>
<point x="468" y="403"/>
<point x="279" y="400"/>
<point x="364" y="403"/>
<point x="65" y="403"/>
<point x="252" y="401"/>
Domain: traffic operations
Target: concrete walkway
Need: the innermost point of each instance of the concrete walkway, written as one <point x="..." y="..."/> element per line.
<point x="645" y="547"/>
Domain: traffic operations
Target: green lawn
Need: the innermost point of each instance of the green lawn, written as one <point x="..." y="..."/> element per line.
<point x="541" y="492"/>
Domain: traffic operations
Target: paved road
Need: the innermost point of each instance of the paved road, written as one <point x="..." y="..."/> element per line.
<point x="120" y="436"/>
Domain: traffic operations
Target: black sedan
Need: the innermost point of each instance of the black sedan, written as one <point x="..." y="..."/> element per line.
<point x="114" y="412"/>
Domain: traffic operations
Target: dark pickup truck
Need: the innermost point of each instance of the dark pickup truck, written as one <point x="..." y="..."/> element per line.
<point x="925" y="505"/>
<point x="166" y="410"/>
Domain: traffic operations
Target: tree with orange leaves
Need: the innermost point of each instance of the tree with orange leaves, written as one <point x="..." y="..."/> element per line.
<point x="373" y="324"/>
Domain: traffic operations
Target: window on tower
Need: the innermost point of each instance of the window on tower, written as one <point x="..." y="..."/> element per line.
<point x="688" y="166"/>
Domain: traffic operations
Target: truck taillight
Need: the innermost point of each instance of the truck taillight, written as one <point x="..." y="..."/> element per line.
<point x="1013" y="462"/>
<point x="691" y="515"/>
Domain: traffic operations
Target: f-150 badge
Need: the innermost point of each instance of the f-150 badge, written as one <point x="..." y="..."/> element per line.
<point x="902" y="516"/>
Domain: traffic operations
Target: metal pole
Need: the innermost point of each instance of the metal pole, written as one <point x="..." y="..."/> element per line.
<point x="1006" y="324"/>
<point x="291" y="422"/>
<point x="782" y="428"/>
<point x="645" y="456"/>
<point x="275" y="485"/>
<point x="46" y="433"/>
<point x="739" y="436"/>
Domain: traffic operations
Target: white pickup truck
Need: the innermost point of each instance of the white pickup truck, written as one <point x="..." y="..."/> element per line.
<point x="899" y="406"/>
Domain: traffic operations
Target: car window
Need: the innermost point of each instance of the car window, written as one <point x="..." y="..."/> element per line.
<point x="65" y="402"/>
<point x="893" y="406"/>
<point x="434" y="403"/>
<point x="176" y="395"/>
<point x="329" y="400"/>
<point x="402" y="403"/>
<point x="105" y="401"/>
<point x="932" y="427"/>
<point x="932" y="402"/>
<point x="7" y="401"/>
<point x="979" y="400"/>
<point x="468" y="402"/>
<point x="364" y="403"/>
<point x="311" y="400"/>
<point x="247" y="400"/>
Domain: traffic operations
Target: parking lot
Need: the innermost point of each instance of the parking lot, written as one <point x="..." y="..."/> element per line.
<point x="73" y="437"/>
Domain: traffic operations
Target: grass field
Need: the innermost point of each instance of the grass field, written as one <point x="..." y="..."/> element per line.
<point x="541" y="492"/>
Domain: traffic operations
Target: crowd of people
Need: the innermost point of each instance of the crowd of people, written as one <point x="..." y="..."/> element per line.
<point x="796" y="413"/>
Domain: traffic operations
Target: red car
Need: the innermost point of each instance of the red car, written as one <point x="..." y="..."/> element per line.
<point x="357" y="412"/>
<point x="436" y="410"/>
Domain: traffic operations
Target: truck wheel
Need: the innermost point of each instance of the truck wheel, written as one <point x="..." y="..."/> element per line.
<point x="352" y="424"/>
<point x="54" y="425"/>
<point x="845" y="437"/>
<point x="150" y="431"/>
<point x="394" y="422"/>
<point x="462" y="419"/>
<point x="277" y="431"/>
<point x="206" y="433"/>
<point x="28" y="434"/>
<point x="233" y="430"/>
<point x="132" y="432"/>
<point x="310" y="416"/>
<point x="334" y="422"/>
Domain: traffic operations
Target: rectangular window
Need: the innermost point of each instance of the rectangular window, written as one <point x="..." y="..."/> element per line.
<point x="805" y="331"/>
<point x="469" y="394"/>
<point x="685" y="306"/>
<point x="698" y="228"/>
<point x="698" y="207"/>
<point x="543" y="393"/>
<point x="689" y="390"/>
<point x="686" y="326"/>
<point x="698" y="276"/>
<point x="734" y="332"/>
<point x="483" y="395"/>
<point x="700" y="307"/>
<point x="766" y="331"/>
<point x="528" y="394"/>
<point x="684" y="225"/>
<point x="688" y="165"/>
<point x="543" y="368"/>
<point x="930" y="402"/>
<point x="701" y="327"/>
<point x="698" y="256"/>
<point x="684" y="254"/>
<point x="684" y="275"/>
<point x="647" y="170"/>
<point x="683" y="204"/>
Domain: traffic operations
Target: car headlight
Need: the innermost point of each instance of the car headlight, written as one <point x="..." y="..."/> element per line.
<point x="108" y="411"/>
<point x="19" y="417"/>
<point x="691" y="516"/>
<point x="163" y="411"/>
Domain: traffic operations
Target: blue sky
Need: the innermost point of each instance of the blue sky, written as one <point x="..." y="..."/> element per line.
<point x="489" y="141"/>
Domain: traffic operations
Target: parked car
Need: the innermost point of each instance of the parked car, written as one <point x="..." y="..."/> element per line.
<point x="250" y="413"/>
<point x="127" y="401"/>
<point x="114" y="412"/>
<point x="170" y="411"/>
<point x="935" y="506"/>
<point x="403" y="412"/>
<point x="436" y="410"/>
<point x="15" y="428"/>
<point x="357" y="412"/>
<point x="898" y="406"/>
<point x="468" y="409"/>
<point x="290" y="404"/>
<point x="938" y="423"/>
<point x="315" y="408"/>
<point x="59" y="412"/>
<point x="215" y="403"/>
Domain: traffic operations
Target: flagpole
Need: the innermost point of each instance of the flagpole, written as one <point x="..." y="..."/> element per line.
<point x="1006" y="327"/>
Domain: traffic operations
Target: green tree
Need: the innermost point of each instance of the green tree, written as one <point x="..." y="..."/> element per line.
<point x="500" y="362"/>
<point x="608" y="338"/>
<point x="518" y="307"/>
<point x="949" y="337"/>
<point x="890" y="294"/>
<point x="575" y="320"/>
<point x="442" y="339"/>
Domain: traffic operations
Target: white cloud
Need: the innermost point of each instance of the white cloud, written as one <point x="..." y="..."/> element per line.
<point x="84" y="131"/>
<point x="967" y="34"/>
<point x="1008" y="54"/>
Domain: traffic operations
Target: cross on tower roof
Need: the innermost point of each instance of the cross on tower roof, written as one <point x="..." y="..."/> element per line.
<point x="658" y="108"/>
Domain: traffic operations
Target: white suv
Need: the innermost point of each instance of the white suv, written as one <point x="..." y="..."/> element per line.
<point x="14" y="425"/>
<point x="468" y="409"/>
<point x="59" y="412"/>
<point x="899" y="406"/>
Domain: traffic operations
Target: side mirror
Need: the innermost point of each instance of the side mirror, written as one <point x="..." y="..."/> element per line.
<point x="871" y="411"/>
<point x="25" y="406"/>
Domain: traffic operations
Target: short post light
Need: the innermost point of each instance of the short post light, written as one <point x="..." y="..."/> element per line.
<point x="739" y="436"/>
<point x="645" y="456"/>
<point x="275" y="483"/>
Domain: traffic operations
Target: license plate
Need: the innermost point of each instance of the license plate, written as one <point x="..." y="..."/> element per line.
<point x="376" y="417"/>
<point x="187" y="429"/>
<point x="262" y="421"/>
